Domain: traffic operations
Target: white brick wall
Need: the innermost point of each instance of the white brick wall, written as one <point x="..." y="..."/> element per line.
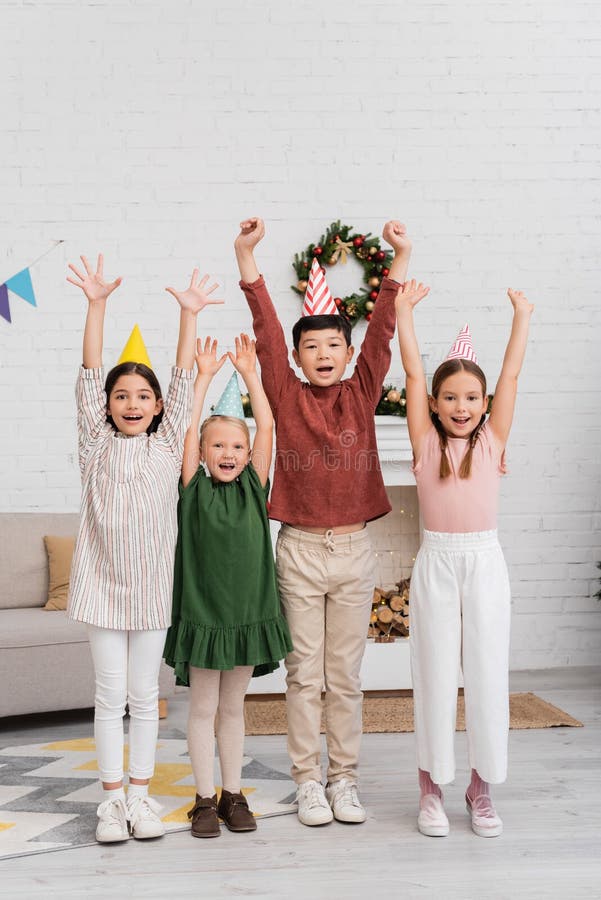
<point x="148" y="129"/>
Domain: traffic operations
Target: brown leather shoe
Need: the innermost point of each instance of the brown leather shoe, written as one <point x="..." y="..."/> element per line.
<point x="205" y="823"/>
<point x="234" y="811"/>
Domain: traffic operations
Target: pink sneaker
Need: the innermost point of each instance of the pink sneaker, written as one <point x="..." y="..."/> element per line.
<point x="485" y="821"/>
<point x="432" y="819"/>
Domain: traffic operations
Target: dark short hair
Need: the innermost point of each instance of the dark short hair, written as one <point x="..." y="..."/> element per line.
<point x="320" y="323"/>
<point x="134" y="368"/>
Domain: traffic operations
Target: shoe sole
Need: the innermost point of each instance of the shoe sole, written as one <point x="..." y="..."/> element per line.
<point x="433" y="830"/>
<point x="241" y="830"/>
<point x="148" y="837"/>
<point x="212" y="834"/>
<point x="117" y="840"/>
<point x="315" y="824"/>
<point x="349" y="821"/>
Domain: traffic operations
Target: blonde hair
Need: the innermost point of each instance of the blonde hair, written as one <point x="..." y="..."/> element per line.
<point x="229" y="420"/>
<point x="445" y="369"/>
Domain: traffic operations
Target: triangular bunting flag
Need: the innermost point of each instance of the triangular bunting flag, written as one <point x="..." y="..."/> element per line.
<point x="463" y="347"/>
<point x="21" y="285"/>
<point x="135" y="349"/>
<point x="318" y="299"/>
<point x="4" y="307"/>
<point x="230" y="402"/>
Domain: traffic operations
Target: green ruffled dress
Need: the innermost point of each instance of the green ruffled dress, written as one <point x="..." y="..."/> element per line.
<point x="226" y="607"/>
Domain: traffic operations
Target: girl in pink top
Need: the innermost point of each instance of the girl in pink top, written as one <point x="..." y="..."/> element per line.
<point x="460" y="595"/>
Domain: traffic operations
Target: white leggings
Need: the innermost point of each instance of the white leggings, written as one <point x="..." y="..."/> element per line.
<point x="460" y="605"/>
<point x="222" y="693"/>
<point x="127" y="666"/>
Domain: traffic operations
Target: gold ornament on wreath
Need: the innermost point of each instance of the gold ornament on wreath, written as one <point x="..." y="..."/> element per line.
<point x="335" y="247"/>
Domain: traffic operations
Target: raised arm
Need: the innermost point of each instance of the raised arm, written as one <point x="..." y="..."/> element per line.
<point x="501" y="415"/>
<point x="191" y="301"/>
<point x="97" y="291"/>
<point x="272" y="351"/>
<point x="207" y="365"/>
<point x="373" y="361"/>
<point x="418" y="410"/>
<point x="395" y="234"/>
<point x="245" y="362"/>
<point x="251" y="232"/>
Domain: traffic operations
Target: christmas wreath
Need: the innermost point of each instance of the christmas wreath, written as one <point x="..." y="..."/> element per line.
<point x="335" y="246"/>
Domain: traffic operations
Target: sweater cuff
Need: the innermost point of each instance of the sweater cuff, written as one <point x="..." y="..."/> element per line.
<point x="252" y="284"/>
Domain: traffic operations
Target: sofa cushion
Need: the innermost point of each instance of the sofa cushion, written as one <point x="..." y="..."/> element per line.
<point x="35" y="628"/>
<point x="60" y="553"/>
<point x="23" y="563"/>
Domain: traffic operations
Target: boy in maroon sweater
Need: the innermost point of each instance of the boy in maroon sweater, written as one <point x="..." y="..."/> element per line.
<point x="327" y="484"/>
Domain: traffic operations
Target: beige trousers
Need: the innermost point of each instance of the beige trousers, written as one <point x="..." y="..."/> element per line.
<point x="326" y="585"/>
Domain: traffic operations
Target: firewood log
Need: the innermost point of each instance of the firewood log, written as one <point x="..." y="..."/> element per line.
<point x="385" y="615"/>
<point x="396" y="602"/>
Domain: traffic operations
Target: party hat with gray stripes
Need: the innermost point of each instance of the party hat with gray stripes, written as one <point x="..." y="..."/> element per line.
<point x="230" y="402"/>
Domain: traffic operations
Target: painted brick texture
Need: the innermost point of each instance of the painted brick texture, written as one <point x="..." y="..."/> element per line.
<point x="149" y="129"/>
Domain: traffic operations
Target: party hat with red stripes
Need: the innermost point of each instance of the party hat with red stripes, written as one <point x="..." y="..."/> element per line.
<point x="463" y="347"/>
<point x="318" y="299"/>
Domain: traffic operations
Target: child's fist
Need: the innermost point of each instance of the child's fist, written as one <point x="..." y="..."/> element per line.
<point x="251" y="232"/>
<point x="519" y="301"/>
<point x="395" y="234"/>
<point x="410" y="293"/>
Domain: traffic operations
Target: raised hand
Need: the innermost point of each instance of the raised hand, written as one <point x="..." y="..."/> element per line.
<point x="411" y="293"/>
<point x="251" y="232"/>
<point x="92" y="283"/>
<point x="207" y="362"/>
<point x="395" y="234"/>
<point x="195" y="297"/>
<point x="245" y="360"/>
<point x="519" y="301"/>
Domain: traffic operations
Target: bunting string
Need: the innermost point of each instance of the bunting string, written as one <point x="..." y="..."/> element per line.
<point x="21" y="285"/>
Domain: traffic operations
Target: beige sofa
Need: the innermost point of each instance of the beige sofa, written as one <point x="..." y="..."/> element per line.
<point x="45" y="661"/>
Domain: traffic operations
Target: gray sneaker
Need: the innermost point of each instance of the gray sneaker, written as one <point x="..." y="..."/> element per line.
<point x="313" y="808"/>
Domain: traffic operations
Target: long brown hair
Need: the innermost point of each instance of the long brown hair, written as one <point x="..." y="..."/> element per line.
<point x="445" y="370"/>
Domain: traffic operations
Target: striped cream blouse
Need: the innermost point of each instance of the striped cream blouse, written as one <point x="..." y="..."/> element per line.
<point x="122" y="570"/>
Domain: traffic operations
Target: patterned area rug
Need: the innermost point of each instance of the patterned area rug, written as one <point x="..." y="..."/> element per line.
<point x="395" y="714"/>
<point x="49" y="793"/>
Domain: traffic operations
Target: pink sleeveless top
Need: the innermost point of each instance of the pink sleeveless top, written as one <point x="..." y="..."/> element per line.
<point x="459" y="505"/>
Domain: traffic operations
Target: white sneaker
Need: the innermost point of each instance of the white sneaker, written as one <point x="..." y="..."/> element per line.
<point x="343" y="798"/>
<point x="112" y="825"/>
<point x="313" y="808"/>
<point x="144" y="821"/>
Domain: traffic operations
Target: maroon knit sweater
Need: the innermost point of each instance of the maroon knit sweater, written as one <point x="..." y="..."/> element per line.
<point x="327" y="470"/>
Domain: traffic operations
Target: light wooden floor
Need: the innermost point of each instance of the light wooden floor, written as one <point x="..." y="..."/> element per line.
<point x="551" y="848"/>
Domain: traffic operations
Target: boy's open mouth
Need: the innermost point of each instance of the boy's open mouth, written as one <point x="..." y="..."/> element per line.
<point x="227" y="466"/>
<point x="325" y="370"/>
<point x="132" y="418"/>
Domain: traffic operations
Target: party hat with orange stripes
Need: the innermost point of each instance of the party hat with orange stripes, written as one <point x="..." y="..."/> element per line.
<point x="463" y="347"/>
<point x="318" y="299"/>
<point x="135" y="349"/>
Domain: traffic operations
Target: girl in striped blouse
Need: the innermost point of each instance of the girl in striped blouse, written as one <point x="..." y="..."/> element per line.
<point x="130" y="454"/>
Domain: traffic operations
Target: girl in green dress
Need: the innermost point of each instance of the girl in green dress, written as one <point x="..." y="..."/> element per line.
<point x="227" y="622"/>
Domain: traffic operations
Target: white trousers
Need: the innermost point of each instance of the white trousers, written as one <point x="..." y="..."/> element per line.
<point x="460" y="611"/>
<point x="127" y="666"/>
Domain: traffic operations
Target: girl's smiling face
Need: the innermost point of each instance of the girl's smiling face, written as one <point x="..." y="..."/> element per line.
<point x="224" y="450"/>
<point x="460" y="404"/>
<point x="132" y="404"/>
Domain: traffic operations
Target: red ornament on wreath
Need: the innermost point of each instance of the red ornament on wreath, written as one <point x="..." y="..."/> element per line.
<point x="339" y="243"/>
